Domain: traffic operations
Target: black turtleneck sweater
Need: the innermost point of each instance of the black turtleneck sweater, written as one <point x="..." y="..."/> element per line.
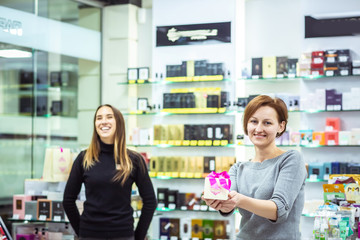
<point x="107" y="209"/>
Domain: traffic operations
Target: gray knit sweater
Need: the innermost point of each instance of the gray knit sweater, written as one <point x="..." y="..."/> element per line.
<point x="280" y="179"/>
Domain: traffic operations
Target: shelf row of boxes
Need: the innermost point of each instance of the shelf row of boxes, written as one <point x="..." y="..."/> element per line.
<point x="189" y="167"/>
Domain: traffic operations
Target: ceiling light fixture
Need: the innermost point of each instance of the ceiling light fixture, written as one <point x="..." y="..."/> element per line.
<point x="14" y="53"/>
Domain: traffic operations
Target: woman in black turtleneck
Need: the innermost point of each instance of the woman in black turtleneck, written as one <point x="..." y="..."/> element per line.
<point x="108" y="169"/>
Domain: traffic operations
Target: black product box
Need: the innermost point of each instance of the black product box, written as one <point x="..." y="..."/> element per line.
<point x="212" y="101"/>
<point x="162" y="197"/>
<point x="41" y="105"/>
<point x="224" y="99"/>
<point x="215" y="69"/>
<point x="353" y="168"/>
<point x="58" y="210"/>
<point x="181" y="201"/>
<point x="343" y="168"/>
<point x="209" y="164"/>
<point x="183" y="69"/>
<point x="200" y="67"/>
<point x="331" y="57"/>
<point x="164" y="228"/>
<point x="292" y="66"/>
<point x="202" y="130"/>
<point x="25" y="104"/>
<point x="166" y="100"/>
<point x="344" y="55"/>
<point x="26" y="80"/>
<point x="173" y="71"/>
<point x="251" y="97"/>
<point x="56" y="108"/>
<point x="189" y="100"/>
<point x="173" y="100"/>
<point x="55" y="79"/>
<point x="173" y="198"/>
<point x="176" y="100"/>
<point x="256" y="67"/>
<point x="188" y="131"/>
<point x="344" y="69"/>
<point x="282" y="66"/>
<point x="242" y="102"/>
<point x="227" y="132"/>
<point x="183" y="97"/>
<point x="44" y="209"/>
<point x="196" y="129"/>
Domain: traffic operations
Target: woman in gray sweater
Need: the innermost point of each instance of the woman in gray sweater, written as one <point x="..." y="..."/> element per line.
<point x="268" y="190"/>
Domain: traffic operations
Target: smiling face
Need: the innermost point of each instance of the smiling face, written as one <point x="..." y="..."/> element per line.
<point x="105" y="124"/>
<point x="263" y="126"/>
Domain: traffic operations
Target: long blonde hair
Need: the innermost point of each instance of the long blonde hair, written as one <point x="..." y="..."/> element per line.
<point x="121" y="156"/>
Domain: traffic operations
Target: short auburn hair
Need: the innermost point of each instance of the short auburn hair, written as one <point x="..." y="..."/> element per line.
<point x="261" y="101"/>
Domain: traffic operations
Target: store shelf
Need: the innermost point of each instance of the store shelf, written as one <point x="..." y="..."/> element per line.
<point x="179" y="80"/>
<point x="310" y="215"/>
<point x="35" y="220"/>
<point x="184" y="111"/>
<point x="255" y="79"/>
<point x="315" y="180"/>
<point x="185" y="210"/>
<point x="179" y="146"/>
<point x="308" y="146"/>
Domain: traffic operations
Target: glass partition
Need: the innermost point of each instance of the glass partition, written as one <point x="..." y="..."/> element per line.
<point x="39" y="86"/>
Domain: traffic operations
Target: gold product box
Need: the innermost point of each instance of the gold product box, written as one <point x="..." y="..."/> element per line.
<point x="184" y="166"/>
<point x="196" y="228"/>
<point x="269" y="67"/>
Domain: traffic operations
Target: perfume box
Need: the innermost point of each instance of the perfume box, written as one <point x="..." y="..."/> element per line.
<point x="184" y="164"/>
<point x="58" y="210"/>
<point x="173" y="199"/>
<point x="132" y="74"/>
<point x="292" y="66"/>
<point x="219" y="229"/>
<point x="212" y="101"/>
<point x="190" y="200"/>
<point x="190" y="68"/>
<point x="200" y="67"/>
<point x="144" y="73"/>
<point x="164" y="228"/>
<point x="19" y="205"/>
<point x="224" y="99"/>
<point x="335" y="168"/>
<point x="306" y="137"/>
<point x="225" y="163"/>
<point x="295" y="138"/>
<point x="196" y="228"/>
<point x="31" y="209"/>
<point x="162" y="197"/>
<point x="355" y="136"/>
<point x="241" y="103"/>
<point x="153" y="164"/>
<point x="185" y="228"/>
<point x="353" y="168"/>
<point x="343" y="168"/>
<point x="318" y="138"/>
<point x="344" y="137"/>
<point x="282" y="66"/>
<point x="257" y="67"/>
<point x="317" y="169"/>
<point x="161" y="164"/>
<point x="331" y="56"/>
<point x="174" y="228"/>
<point x="199" y="165"/>
<point x="332" y="138"/>
<point x="317" y="71"/>
<point x="269" y="67"/>
<point x="208" y="229"/>
<point x="344" y="55"/>
<point x="327" y="170"/>
<point x="44" y="209"/>
<point x="209" y="164"/>
<point x="344" y="70"/>
<point x="317" y="59"/>
<point x="332" y="124"/>
<point x="218" y="164"/>
<point x="168" y="164"/>
<point x="219" y="193"/>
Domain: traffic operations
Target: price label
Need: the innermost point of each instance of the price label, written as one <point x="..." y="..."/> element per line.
<point x="184" y="208"/>
<point x="15" y="216"/>
<point x="163" y="237"/>
<point x="42" y="217"/>
<point x="196" y="208"/>
<point x="57" y="218"/>
<point x="173" y="238"/>
<point x="331" y="142"/>
<point x="313" y="177"/>
<point x="28" y="217"/>
<point x="172" y="206"/>
<point x="161" y="205"/>
<point x="204" y="208"/>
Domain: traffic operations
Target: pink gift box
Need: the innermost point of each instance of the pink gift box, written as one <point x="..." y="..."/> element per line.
<point x="217" y="186"/>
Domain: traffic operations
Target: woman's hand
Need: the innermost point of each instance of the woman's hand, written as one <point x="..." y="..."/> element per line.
<point x="224" y="205"/>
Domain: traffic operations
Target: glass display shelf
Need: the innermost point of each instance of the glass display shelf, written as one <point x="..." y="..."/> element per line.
<point x="36" y="221"/>
<point x="304" y="146"/>
<point x="183" y="111"/>
<point x="175" y="80"/>
<point x="310" y="215"/>
<point x="256" y="79"/>
<point x="178" y="146"/>
<point x="315" y="180"/>
<point x="205" y="209"/>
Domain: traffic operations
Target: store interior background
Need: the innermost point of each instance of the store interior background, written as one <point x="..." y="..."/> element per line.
<point x="259" y="28"/>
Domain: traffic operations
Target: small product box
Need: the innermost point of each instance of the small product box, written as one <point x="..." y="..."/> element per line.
<point x="217" y="186"/>
<point x="44" y="210"/>
<point x="19" y="205"/>
<point x="332" y="138"/>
